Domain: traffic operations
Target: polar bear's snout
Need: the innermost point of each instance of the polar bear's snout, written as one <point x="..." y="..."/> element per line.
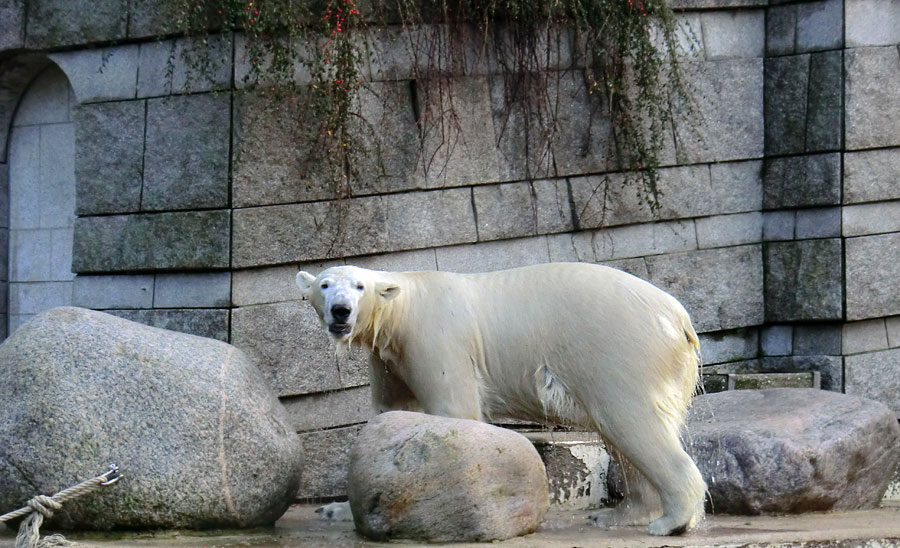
<point x="340" y="323"/>
<point x="340" y="312"/>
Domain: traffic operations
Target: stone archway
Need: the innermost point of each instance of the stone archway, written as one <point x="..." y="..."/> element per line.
<point x="41" y="191"/>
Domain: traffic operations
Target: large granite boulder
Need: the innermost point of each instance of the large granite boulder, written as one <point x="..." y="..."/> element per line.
<point x="422" y="477"/>
<point x="792" y="450"/>
<point x="200" y="438"/>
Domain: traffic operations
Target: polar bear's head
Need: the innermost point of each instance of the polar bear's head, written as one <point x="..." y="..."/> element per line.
<point x="345" y="298"/>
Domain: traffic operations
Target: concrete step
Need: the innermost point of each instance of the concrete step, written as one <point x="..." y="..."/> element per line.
<point x="577" y="463"/>
<point x="717" y="382"/>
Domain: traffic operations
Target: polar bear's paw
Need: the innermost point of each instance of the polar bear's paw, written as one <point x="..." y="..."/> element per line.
<point x="336" y="511"/>
<point x="667" y="526"/>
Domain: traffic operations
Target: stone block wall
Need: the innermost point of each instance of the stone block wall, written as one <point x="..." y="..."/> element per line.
<point x="777" y="227"/>
<point x="870" y="223"/>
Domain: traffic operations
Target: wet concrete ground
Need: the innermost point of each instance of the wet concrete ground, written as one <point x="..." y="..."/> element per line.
<point x="299" y="527"/>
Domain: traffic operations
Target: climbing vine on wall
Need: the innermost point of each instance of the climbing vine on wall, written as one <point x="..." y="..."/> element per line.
<point x="624" y="52"/>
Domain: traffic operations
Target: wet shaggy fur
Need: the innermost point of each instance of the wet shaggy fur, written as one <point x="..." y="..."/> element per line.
<point x="561" y="343"/>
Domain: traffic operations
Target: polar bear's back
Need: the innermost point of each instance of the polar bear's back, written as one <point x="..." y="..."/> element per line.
<point x="578" y="321"/>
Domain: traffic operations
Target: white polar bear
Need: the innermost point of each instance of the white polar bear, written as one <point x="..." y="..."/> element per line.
<point x="564" y="343"/>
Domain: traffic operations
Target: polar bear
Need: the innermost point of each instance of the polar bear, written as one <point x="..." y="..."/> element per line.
<point x="559" y="343"/>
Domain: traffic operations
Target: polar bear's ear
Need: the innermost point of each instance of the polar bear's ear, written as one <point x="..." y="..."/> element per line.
<point x="387" y="290"/>
<point x="304" y="282"/>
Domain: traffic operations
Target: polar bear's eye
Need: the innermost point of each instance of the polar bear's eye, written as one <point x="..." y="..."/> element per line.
<point x="360" y="286"/>
<point x="324" y="285"/>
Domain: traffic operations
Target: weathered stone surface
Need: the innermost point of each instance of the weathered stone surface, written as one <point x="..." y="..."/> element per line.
<point x="117" y="291"/>
<point x="872" y="23"/>
<point x="786" y="83"/>
<point x="875" y="218"/>
<point x="824" y="107"/>
<point x="12" y="25"/>
<point x="824" y="222"/>
<point x="105" y="74"/>
<point x="327" y="454"/>
<point x="802" y="181"/>
<point x="830" y="368"/>
<point x="781" y="30"/>
<point x="278" y="148"/>
<point x="644" y="239"/>
<point x="820" y="26"/>
<point x="686" y="191"/>
<point x="211" y="323"/>
<point x="729" y="346"/>
<point x="874" y="375"/>
<point x="720" y="288"/>
<point x="731" y="34"/>
<point x="206" y="290"/>
<point x="401" y="261"/>
<point x="186" y="157"/>
<point x="871" y="175"/>
<point x="726" y="230"/>
<point x="792" y="450"/>
<point x="490" y="256"/>
<point x="4" y="199"/>
<point x="872" y="102"/>
<point x="522" y="209"/>
<point x="109" y="145"/>
<point x="429" y="219"/>
<point x="817" y="339"/>
<point x="893" y="330"/>
<point x="305" y="232"/>
<point x="776" y="340"/>
<point x="462" y="151"/>
<point x="687" y="4"/>
<point x="864" y="336"/>
<point x="294" y="353"/>
<point x="52" y="23"/>
<point x="353" y="227"/>
<point x="358" y="226"/>
<point x="329" y="409"/>
<point x="729" y="93"/>
<point x="146" y="19"/>
<point x="188" y="240"/>
<point x="504" y="211"/>
<point x="415" y="476"/>
<point x="389" y="152"/>
<point x="778" y="225"/>
<point x="804" y="280"/>
<point x="34" y="297"/>
<point x="163" y="69"/>
<point x="873" y="287"/>
<point x="271" y="285"/>
<point x="581" y="143"/>
<point x="200" y="438"/>
<point x="271" y="149"/>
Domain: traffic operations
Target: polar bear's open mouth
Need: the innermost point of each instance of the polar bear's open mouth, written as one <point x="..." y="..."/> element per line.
<point x="340" y="329"/>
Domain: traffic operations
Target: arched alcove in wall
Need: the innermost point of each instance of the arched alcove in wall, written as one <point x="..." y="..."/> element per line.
<point x="40" y="150"/>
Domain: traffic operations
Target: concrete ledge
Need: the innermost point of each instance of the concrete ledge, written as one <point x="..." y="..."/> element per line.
<point x="300" y="527"/>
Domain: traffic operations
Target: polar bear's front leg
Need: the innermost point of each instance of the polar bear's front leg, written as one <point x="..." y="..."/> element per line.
<point x="443" y="379"/>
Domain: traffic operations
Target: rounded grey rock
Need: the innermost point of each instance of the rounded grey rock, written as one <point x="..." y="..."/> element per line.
<point x="422" y="477"/>
<point x="792" y="450"/>
<point x="199" y="436"/>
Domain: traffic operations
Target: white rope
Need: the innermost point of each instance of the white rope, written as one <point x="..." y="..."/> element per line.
<point x="42" y="506"/>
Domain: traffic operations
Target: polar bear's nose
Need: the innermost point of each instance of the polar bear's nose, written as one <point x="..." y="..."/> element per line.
<point x="340" y="312"/>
